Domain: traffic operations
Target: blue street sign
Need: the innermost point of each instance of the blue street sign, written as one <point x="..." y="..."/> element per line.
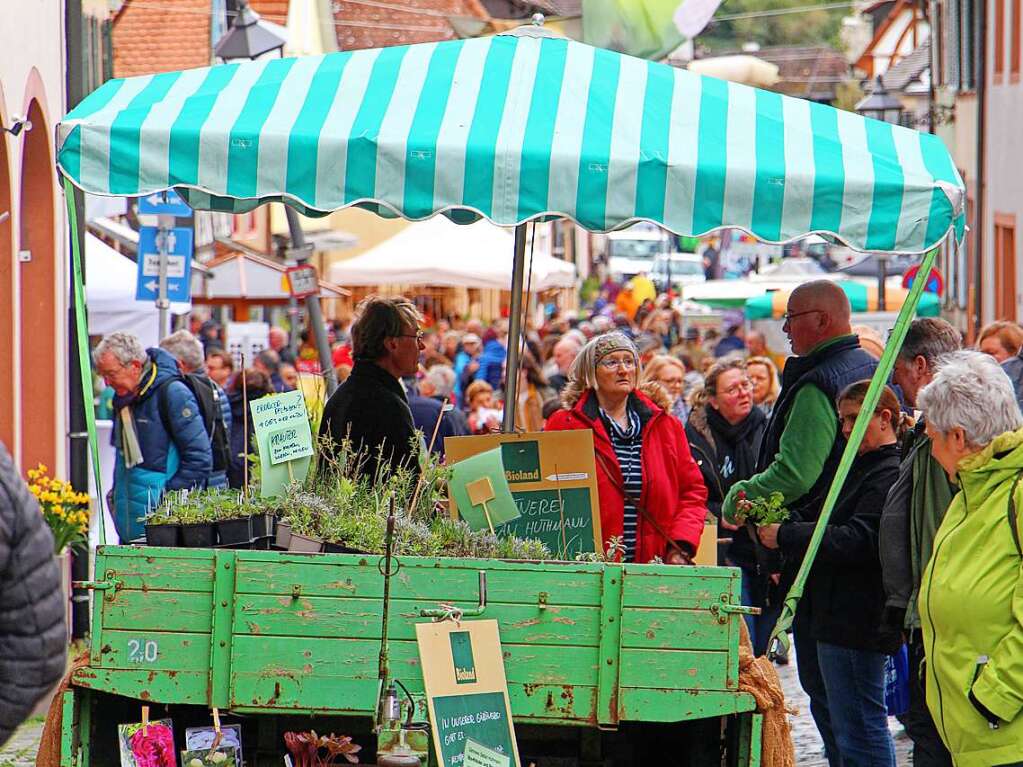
<point x="178" y="242"/>
<point x="166" y="203"/>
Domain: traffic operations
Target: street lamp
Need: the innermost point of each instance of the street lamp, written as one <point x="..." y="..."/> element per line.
<point x="879" y="104"/>
<point x="249" y="38"/>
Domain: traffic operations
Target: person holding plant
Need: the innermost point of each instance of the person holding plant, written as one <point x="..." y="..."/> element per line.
<point x="845" y="597"/>
<point x="33" y="634"/>
<point x="371" y="408"/>
<point x="971" y="594"/>
<point x="802" y="446"/>
<point x="724" y="432"/>
<point x="652" y="497"/>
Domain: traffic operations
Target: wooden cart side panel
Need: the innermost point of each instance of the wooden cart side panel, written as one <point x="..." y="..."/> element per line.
<point x="652" y="705"/>
<point x="165" y="610"/>
<point x="150" y="569"/>
<point x="693" y="670"/>
<point x="358" y="618"/>
<point x="340" y="575"/>
<point x="694" y="629"/>
<point x="186" y="687"/>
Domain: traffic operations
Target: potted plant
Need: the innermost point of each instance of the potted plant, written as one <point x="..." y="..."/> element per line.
<point x="163" y="528"/>
<point x="308" y="749"/>
<point x="234" y="527"/>
<point x="197" y="528"/>
<point x="305" y="535"/>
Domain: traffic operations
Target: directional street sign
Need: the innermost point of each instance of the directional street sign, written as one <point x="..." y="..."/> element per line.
<point x="178" y="246"/>
<point x="166" y="203"/>
<point x="302" y="281"/>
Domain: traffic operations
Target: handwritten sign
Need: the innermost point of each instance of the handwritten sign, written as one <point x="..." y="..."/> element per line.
<point x="467" y="693"/>
<point x="284" y="440"/>
<point x="552" y="478"/>
<point x="477" y="755"/>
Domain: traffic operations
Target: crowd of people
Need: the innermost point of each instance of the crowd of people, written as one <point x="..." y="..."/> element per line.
<point x="922" y="547"/>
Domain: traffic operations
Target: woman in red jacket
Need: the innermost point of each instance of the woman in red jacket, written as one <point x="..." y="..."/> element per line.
<point x="651" y="491"/>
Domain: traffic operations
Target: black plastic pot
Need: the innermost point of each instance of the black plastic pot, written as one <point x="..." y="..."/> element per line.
<point x="340" y="548"/>
<point x="200" y="535"/>
<point x="262" y="525"/>
<point x="234" y="532"/>
<point x="163" y="535"/>
<point x="303" y="544"/>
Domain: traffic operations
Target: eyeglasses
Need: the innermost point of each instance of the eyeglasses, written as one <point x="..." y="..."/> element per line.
<point x="628" y="364"/>
<point x="788" y="317"/>
<point x="735" y="389"/>
<point x="418" y="336"/>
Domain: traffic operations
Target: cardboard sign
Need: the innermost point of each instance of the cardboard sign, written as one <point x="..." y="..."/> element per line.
<point x="553" y="480"/>
<point x="480" y="491"/>
<point x="466" y="692"/>
<point x="476" y="755"/>
<point x="282" y="432"/>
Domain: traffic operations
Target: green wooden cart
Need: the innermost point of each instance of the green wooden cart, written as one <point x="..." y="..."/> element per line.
<point x="600" y="659"/>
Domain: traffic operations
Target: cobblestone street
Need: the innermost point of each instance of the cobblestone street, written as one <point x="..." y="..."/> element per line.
<point x="809" y="749"/>
<point x="20" y="750"/>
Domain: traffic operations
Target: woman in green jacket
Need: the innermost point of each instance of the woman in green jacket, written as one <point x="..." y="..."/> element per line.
<point x="971" y="596"/>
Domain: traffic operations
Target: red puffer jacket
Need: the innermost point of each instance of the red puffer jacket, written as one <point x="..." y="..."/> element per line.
<point x="673" y="489"/>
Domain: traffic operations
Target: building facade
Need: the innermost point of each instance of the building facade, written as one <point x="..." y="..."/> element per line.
<point x="33" y="269"/>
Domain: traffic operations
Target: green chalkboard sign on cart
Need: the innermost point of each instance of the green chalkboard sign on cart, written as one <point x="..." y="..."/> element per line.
<point x="552" y="477"/>
<point x="466" y="689"/>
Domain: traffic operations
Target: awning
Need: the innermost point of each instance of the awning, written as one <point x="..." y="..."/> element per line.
<point x="862" y="298"/>
<point x="513" y="128"/>
<point x="437" y="252"/>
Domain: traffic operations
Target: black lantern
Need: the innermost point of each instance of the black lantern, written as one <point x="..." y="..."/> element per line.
<point x="249" y="36"/>
<point x="880" y="104"/>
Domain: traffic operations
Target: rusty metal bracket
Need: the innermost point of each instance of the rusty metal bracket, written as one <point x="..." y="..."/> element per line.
<point x="97" y="585"/>
<point x="541" y="601"/>
<point x="446" y="611"/>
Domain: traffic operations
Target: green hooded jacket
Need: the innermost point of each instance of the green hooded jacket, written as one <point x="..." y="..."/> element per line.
<point x="971" y="610"/>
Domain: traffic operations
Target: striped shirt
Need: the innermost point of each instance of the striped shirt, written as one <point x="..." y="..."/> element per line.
<point x="628" y="447"/>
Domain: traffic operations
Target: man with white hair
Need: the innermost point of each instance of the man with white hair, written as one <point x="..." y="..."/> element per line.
<point x="211" y="397"/>
<point x="912" y="515"/>
<point x="159" y="434"/>
<point x="803" y="445"/>
<point x="438" y="384"/>
<point x="563" y="355"/>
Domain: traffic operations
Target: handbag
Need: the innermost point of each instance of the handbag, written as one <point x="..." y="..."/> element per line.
<point x="687" y="558"/>
<point x="896" y="682"/>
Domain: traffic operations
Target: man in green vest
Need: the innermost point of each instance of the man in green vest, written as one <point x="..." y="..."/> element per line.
<point x="912" y="514"/>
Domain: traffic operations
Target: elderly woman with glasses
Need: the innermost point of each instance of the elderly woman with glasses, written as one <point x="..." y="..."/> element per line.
<point x="971" y="592"/>
<point x="652" y="495"/>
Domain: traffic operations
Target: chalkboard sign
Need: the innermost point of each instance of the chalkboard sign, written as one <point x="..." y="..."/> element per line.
<point x="466" y="689"/>
<point x="552" y="477"/>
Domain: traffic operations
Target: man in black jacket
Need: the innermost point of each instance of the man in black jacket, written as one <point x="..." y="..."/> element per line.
<point x="33" y="634"/>
<point x="371" y="409"/>
<point x="915" y="506"/>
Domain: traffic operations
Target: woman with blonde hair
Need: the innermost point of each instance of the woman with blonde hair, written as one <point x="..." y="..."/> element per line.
<point x="651" y="493"/>
<point x="670" y="373"/>
<point x="1000" y="340"/>
<point x="763" y="374"/>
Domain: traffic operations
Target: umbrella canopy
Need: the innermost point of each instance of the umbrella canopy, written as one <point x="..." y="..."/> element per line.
<point x="862" y="298"/>
<point x="513" y="128"/>
<point x="437" y="252"/>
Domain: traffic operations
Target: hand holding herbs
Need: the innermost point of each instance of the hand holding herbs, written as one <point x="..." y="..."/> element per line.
<point x="761" y="511"/>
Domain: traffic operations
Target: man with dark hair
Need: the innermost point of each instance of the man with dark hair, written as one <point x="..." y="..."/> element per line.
<point x="268" y="362"/>
<point x="912" y="514"/>
<point x="371" y="408"/>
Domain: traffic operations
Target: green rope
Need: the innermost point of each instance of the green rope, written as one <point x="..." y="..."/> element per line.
<point x="84" y="368"/>
<point x="881" y="375"/>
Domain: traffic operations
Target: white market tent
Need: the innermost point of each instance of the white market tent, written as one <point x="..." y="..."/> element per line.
<point x="439" y="253"/>
<point x="110" y="295"/>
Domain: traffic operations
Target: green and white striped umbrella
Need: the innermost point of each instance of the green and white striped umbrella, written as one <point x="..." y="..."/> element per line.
<point x="513" y="128"/>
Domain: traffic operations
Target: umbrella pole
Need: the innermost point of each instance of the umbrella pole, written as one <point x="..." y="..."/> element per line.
<point x="301" y="251"/>
<point x="511" y="394"/>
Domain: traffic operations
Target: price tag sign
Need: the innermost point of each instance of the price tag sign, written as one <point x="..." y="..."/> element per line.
<point x="302" y="281"/>
<point x="467" y="693"/>
<point x="284" y="440"/>
<point x="290" y="443"/>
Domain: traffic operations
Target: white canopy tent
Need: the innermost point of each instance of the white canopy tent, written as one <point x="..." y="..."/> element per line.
<point x="439" y="253"/>
<point x="110" y="295"/>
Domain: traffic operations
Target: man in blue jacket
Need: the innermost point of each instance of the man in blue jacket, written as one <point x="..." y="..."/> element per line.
<point x="158" y="449"/>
